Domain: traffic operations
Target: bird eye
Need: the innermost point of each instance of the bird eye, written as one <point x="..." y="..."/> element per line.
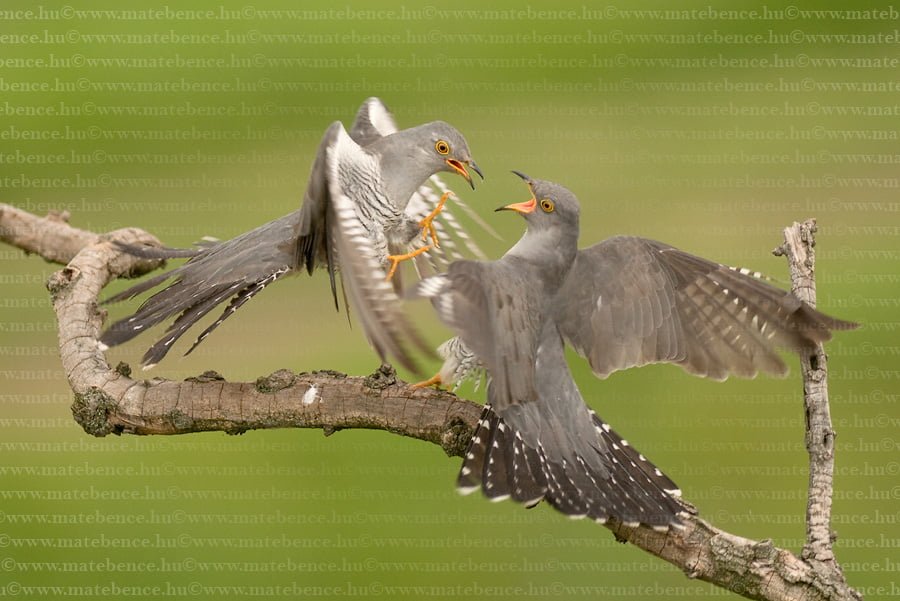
<point x="547" y="205"/>
<point x="442" y="147"/>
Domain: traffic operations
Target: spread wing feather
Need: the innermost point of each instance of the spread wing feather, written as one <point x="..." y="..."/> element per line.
<point x="631" y="301"/>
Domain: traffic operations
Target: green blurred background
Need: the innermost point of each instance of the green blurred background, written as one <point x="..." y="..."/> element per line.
<point x="707" y="130"/>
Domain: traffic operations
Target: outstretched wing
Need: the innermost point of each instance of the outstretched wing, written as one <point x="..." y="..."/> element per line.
<point x="631" y="301"/>
<point x="235" y="270"/>
<point x="374" y="302"/>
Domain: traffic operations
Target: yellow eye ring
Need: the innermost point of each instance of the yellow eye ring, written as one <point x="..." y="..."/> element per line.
<point x="442" y="147"/>
<point x="547" y="205"/>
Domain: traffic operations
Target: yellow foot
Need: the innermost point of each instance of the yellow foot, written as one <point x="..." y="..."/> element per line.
<point x="395" y="259"/>
<point x="427" y="223"/>
<point x="433" y="381"/>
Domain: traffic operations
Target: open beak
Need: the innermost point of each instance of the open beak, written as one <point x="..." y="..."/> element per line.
<point x="522" y="208"/>
<point x="461" y="169"/>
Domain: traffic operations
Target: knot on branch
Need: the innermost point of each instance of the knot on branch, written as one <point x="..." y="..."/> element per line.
<point x="59" y="281"/>
<point x="455" y="437"/>
<point x="275" y="381"/>
<point x="92" y="409"/>
<point x="208" y="376"/>
<point x="381" y="378"/>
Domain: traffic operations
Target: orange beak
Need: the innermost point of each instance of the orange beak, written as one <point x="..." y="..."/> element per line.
<point x="521" y="207"/>
<point x="461" y="169"/>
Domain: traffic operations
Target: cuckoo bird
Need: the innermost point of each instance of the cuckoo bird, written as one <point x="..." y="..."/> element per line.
<point x="621" y="303"/>
<point x="358" y="218"/>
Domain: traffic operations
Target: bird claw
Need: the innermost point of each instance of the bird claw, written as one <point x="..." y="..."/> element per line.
<point x="435" y="381"/>
<point x="396" y="259"/>
<point x="427" y="224"/>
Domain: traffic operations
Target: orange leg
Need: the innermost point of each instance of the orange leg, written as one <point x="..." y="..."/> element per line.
<point x="435" y="381"/>
<point x="395" y="259"/>
<point x="427" y="225"/>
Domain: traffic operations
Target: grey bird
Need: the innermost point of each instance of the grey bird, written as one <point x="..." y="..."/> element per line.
<point x="353" y="222"/>
<point x="621" y="303"/>
<point x="632" y="301"/>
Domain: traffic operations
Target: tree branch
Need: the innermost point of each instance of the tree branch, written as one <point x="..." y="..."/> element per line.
<point x="799" y="249"/>
<point x="110" y="401"/>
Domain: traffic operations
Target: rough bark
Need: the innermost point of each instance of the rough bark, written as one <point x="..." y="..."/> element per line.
<point x="108" y="400"/>
<point x="799" y="249"/>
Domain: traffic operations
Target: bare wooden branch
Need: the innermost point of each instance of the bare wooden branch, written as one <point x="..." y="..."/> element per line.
<point x="110" y="401"/>
<point x="799" y="248"/>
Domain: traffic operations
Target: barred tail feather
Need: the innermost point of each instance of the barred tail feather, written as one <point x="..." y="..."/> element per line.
<point x="635" y="460"/>
<point x="615" y="483"/>
<point x="470" y="475"/>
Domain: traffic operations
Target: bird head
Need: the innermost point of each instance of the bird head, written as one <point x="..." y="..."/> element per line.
<point x="446" y="150"/>
<point x="550" y="206"/>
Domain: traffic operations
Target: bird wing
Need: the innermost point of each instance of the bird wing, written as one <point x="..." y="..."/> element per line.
<point x="373" y="121"/>
<point x="631" y="301"/>
<point x="374" y="302"/>
<point x="496" y="324"/>
<point x="237" y="269"/>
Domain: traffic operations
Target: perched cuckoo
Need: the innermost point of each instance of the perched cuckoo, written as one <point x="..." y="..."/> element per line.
<point x="620" y="303"/>
<point x="357" y="219"/>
